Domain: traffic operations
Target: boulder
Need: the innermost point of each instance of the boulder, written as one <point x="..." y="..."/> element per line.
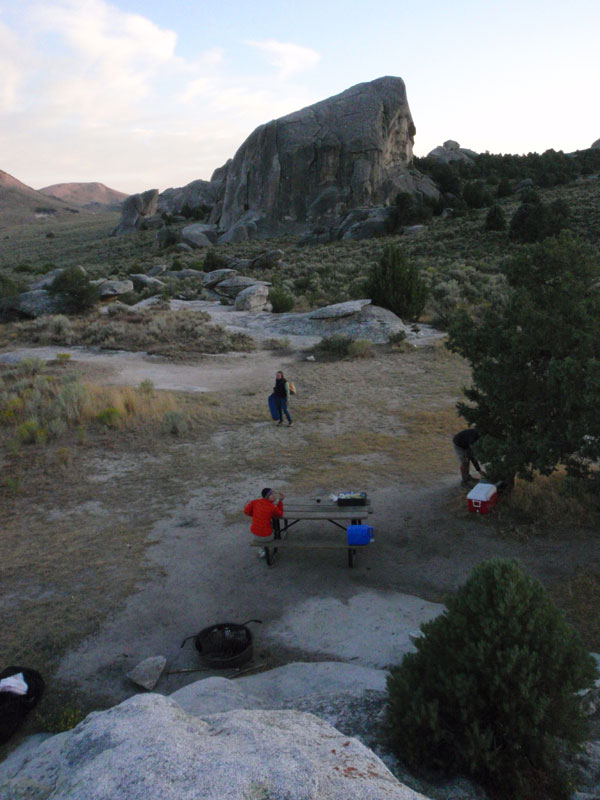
<point x="157" y="269"/>
<point x="234" y="285"/>
<point x="147" y="673"/>
<point x="451" y="151"/>
<point x="36" y="303"/>
<point x="235" y="235"/>
<point x="135" y="210"/>
<point x="112" y="288"/>
<point x="165" y="237"/>
<point x="182" y="274"/>
<point x="268" y="259"/>
<point x="351" y="150"/>
<point x="199" y="235"/>
<point x="253" y="298"/>
<point x="151" y="223"/>
<point x="141" y="281"/>
<point x="366" y="223"/>
<point x="148" y="746"/>
<point x="216" y="276"/>
<point x="339" y="310"/>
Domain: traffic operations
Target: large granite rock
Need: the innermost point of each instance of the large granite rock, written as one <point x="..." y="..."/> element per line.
<point x="351" y="150"/>
<point x="150" y="747"/>
<point x="452" y="151"/>
<point x="36" y="303"/>
<point x="253" y="298"/>
<point x="135" y="210"/>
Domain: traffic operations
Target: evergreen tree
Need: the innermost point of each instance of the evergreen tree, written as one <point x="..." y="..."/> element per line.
<point x="395" y="284"/>
<point x="536" y="364"/>
<point x="491" y="690"/>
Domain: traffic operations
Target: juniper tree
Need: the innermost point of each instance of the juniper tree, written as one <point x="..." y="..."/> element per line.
<point x="535" y="362"/>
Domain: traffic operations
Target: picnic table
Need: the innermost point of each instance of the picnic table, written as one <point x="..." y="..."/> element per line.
<point x="295" y="511"/>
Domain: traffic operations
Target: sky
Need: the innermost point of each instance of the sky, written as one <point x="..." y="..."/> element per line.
<point x="143" y="94"/>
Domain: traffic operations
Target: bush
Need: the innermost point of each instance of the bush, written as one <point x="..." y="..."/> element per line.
<point x="393" y="283"/>
<point x="74" y="285"/>
<point x="495" y="219"/>
<point x="280" y="300"/>
<point x="336" y="346"/>
<point x="491" y="690"/>
<point x="534" y="221"/>
<point x="361" y="348"/>
<point x="476" y="194"/>
<point x="214" y="260"/>
<point x="109" y="417"/>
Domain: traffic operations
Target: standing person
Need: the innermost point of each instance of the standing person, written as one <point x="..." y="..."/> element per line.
<point x="463" y="443"/>
<point x="281" y="390"/>
<point x="263" y="510"/>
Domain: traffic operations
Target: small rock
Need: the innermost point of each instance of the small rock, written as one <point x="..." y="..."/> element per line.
<point x="147" y="672"/>
<point x="310" y="358"/>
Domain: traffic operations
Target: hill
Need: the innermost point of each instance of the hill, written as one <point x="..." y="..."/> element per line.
<point x="93" y="196"/>
<point x="20" y="204"/>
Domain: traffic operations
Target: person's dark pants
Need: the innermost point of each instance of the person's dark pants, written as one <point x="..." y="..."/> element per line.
<point x="282" y="408"/>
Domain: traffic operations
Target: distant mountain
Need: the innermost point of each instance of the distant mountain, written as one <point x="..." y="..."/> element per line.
<point x="93" y="196"/>
<point x="20" y="203"/>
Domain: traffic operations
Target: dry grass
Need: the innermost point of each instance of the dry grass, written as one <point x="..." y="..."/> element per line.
<point x="579" y="598"/>
<point x="546" y="502"/>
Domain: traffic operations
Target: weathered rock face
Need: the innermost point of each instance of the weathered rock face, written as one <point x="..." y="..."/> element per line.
<point x="452" y="151"/>
<point x="136" y="210"/>
<point x="354" y="149"/>
<point x="149" y="747"/>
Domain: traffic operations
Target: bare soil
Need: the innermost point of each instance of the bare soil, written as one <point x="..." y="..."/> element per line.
<point x="120" y="547"/>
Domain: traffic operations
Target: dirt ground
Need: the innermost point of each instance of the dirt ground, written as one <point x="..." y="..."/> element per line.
<point x="137" y="543"/>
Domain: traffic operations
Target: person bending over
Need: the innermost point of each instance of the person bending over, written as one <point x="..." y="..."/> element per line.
<point x="463" y="443"/>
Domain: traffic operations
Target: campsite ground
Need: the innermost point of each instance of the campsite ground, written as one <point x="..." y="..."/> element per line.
<point x="122" y="543"/>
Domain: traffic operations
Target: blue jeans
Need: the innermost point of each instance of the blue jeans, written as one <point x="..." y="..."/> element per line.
<point x="282" y="408"/>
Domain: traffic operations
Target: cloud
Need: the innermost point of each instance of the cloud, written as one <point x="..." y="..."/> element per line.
<point x="288" y="58"/>
<point x="103" y="61"/>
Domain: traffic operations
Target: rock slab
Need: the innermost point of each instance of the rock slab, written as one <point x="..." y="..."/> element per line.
<point x="150" y="747"/>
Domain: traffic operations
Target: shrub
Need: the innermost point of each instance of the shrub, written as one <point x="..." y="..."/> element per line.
<point x="534" y="220"/>
<point x="74" y="285"/>
<point x="491" y="690"/>
<point x="361" y="348"/>
<point x="147" y="386"/>
<point x="393" y="283"/>
<point x="476" y="194"/>
<point x="495" y="219"/>
<point x="175" y="423"/>
<point x="30" y="432"/>
<point x="336" y="346"/>
<point x="280" y="300"/>
<point x="109" y="417"/>
<point x="397" y="339"/>
<point x="214" y="260"/>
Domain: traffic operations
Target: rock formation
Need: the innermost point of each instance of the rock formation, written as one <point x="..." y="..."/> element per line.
<point x="150" y="747"/>
<point x="312" y="166"/>
<point x="451" y="151"/>
<point x="136" y="210"/>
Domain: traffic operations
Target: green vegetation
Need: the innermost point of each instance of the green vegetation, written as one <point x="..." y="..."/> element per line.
<point x="280" y="300"/>
<point x="395" y="284"/>
<point x="491" y="690"/>
<point x="74" y="287"/>
<point x="535" y="362"/>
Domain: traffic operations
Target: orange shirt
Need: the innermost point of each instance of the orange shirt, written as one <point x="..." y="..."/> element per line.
<point x="262" y="512"/>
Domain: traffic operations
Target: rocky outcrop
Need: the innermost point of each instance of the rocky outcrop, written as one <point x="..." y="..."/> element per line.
<point x="136" y="210"/>
<point x="452" y="151"/>
<point x="150" y="747"/>
<point x="350" y="150"/>
<point x="596" y="144"/>
<point x="313" y="166"/>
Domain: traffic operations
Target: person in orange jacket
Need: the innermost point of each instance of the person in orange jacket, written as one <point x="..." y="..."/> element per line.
<point x="263" y="510"/>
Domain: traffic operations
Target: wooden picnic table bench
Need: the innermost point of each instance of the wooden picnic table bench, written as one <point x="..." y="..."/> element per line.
<point x="316" y="509"/>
